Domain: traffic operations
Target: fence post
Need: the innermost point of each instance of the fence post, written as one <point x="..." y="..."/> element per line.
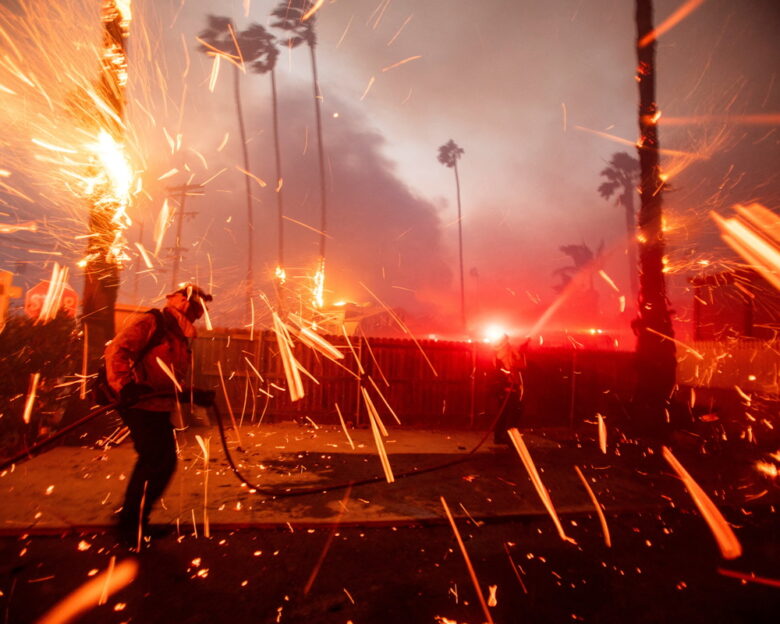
<point x="358" y="385"/>
<point x="573" y="386"/>
<point x="473" y="393"/>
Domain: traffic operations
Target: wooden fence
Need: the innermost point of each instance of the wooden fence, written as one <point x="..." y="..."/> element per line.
<point x="750" y="364"/>
<point x="425" y="384"/>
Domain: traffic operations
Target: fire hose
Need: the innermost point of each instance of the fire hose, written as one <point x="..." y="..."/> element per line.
<point x="33" y="450"/>
<point x="256" y="489"/>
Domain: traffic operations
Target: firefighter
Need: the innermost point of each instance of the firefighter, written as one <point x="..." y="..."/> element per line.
<point x="133" y="371"/>
<point x="510" y="363"/>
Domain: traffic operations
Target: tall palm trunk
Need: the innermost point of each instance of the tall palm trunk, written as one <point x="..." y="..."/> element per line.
<point x="460" y="251"/>
<point x="250" y="285"/>
<point x="655" y="351"/>
<point x="279" y="179"/>
<point x="101" y="274"/>
<point x="320" y="153"/>
<point x="633" y="266"/>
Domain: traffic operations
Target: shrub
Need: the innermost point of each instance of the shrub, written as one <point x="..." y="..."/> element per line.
<point x="51" y="349"/>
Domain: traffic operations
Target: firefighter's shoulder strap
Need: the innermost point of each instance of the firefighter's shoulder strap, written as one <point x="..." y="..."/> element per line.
<point x="101" y="391"/>
<point x="157" y="336"/>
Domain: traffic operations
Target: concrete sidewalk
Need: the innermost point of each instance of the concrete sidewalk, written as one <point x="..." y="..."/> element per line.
<point x="70" y="487"/>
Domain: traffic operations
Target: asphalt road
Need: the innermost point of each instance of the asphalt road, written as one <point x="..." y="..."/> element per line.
<point x="663" y="566"/>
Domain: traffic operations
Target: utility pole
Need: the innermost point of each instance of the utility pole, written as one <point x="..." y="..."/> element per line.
<point x="178" y="250"/>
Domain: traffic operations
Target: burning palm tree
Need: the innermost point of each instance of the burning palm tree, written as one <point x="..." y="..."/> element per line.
<point x="655" y="350"/>
<point x="623" y="175"/>
<point x="297" y="18"/>
<point x="449" y="154"/>
<point x="107" y="181"/>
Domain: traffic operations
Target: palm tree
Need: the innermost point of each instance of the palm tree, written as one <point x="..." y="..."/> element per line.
<point x="449" y="154"/>
<point x="294" y="16"/>
<point x="582" y="258"/>
<point x="220" y="35"/>
<point x="623" y="174"/>
<point x="258" y="45"/>
<point x="655" y="349"/>
<point x="579" y="276"/>
<point x="101" y="272"/>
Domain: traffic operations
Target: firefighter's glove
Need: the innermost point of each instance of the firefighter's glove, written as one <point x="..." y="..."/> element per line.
<point x="132" y="392"/>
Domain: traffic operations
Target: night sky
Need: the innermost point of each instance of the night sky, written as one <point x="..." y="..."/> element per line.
<point x="524" y="88"/>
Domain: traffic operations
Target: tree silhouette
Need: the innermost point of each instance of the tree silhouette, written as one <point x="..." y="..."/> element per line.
<point x="582" y="257"/>
<point x="579" y="278"/>
<point x="655" y="349"/>
<point x="449" y="154"/>
<point x="221" y="37"/>
<point x="623" y="175"/>
<point x="258" y="45"/>
<point x="293" y="16"/>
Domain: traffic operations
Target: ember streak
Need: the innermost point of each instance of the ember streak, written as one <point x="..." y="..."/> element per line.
<point x="645" y="451"/>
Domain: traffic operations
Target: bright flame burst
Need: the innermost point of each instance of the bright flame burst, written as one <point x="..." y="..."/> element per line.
<point x="318" y="291"/>
<point x="107" y="183"/>
<point x="61" y="84"/>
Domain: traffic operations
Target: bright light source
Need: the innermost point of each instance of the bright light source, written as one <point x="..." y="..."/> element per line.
<point x="493" y="333"/>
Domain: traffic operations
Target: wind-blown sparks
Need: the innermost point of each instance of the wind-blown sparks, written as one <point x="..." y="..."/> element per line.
<point x="467" y="559"/>
<point x="597" y="505"/>
<point x="670" y="22"/>
<point x="602" y="434"/>
<point x="30" y="402"/>
<point x="92" y="593"/>
<point x="344" y="427"/>
<point x="53" y="300"/>
<point x="755" y="235"/>
<point x="227" y="401"/>
<point x="290" y="364"/>
<point x="728" y="543"/>
<point x="403" y="62"/>
<point x="166" y="369"/>
<point x="314" y="8"/>
<point x="533" y="473"/>
<point x="378" y="430"/>
<point x="204" y="446"/>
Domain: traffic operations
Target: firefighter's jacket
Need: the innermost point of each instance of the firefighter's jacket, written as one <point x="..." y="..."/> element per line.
<point x="173" y="350"/>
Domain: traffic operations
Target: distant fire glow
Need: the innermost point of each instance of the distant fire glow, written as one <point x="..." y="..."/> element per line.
<point x="493" y="333"/>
